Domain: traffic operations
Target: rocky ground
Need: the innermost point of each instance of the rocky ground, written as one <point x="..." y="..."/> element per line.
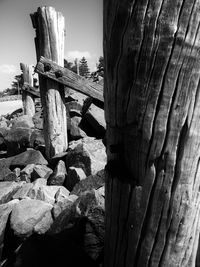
<point x="52" y="212"/>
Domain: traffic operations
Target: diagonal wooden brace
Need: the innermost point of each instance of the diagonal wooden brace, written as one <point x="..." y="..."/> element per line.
<point x="51" y="70"/>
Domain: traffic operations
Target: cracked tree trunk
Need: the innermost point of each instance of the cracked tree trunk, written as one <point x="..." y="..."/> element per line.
<point x="27" y="99"/>
<point x="152" y="110"/>
<point x="49" y="41"/>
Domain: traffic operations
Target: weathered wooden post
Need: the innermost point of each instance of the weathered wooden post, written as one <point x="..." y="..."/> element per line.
<point x="27" y="98"/>
<point x="49" y="41"/>
<point x="152" y="109"/>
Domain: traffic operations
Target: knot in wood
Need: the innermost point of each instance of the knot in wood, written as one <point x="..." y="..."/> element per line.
<point x="58" y="73"/>
<point x="47" y="67"/>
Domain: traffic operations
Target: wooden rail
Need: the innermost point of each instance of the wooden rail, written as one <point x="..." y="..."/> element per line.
<point x="49" y="69"/>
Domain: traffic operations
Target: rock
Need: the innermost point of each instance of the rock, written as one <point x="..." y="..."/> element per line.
<point x="41" y="171"/>
<point x="88" y="154"/>
<point x="94" y="233"/>
<point x="7" y="190"/>
<point x="74" y="176"/>
<point x="63" y="204"/>
<point x="3" y="172"/>
<point x="61" y="193"/>
<point x="26" y="216"/>
<point x="24" y="121"/>
<point x="38" y="120"/>
<point x="44" y="193"/>
<point x="17" y="171"/>
<point x="40" y="181"/>
<point x="25" y="174"/>
<point x="22" y="193"/>
<point x="91" y="182"/>
<point x="37" y="138"/>
<point x="28" y="157"/>
<point x="95" y="117"/>
<point x="59" y="174"/>
<point x="74" y="108"/>
<point x="17" y="140"/>
<point x="75" y="131"/>
<point x="11" y="177"/>
<point x="5" y="210"/>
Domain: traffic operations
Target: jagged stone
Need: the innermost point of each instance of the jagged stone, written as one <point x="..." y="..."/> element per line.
<point x="40" y="171"/>
<point x="11" y="177"/>
<point x="27" y="214"/>
<point x="22" y="193"/>
<point x="63" y="204"/>
<point x="38" y="120"/>
<point x="30" y="156"/>
<point x="25" y="174"/>
<point x="59" y="174"/>
<point x="5" y="210"/>
<point x="74" y="176"/>
<point x="24" y="121"/>
<point x="91" y="182"/>
<point x="7" y="190"/>
<point x="88" y="154"/>
<point x="17" y="140"/>
<point x="75" y="130"/>
<point x="37" y="138"/>
<point x="40" y="181"/>
<point x="3" y="172"/>
<point x="95" y="117"/>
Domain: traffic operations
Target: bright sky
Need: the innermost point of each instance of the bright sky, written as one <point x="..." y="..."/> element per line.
<point x="84" y="31"/>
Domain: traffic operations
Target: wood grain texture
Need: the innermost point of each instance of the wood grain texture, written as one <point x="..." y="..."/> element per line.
<point x="152" y="110"/>
<point x="49" y="41"/>
<point x="70" y="79"/>
<point x="27" y="98"/>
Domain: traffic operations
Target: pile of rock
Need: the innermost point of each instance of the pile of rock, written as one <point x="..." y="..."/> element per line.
<point x="52" y="211"/>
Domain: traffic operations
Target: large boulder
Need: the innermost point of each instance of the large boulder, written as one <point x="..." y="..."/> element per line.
<point x="31" y="215"/>
<point x="17" y="140"/>
<point x="30" y="156"/>
<point x="5" y="210"/>
<point x="24" y="121"/>
<point x="7" y="190"/>
<point x="88" y="154"/>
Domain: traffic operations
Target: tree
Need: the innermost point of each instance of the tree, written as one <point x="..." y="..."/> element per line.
<point x="16" y="85"/>
<point x="152" y="110"/>
<point x="100" y="66"/>
<point x="71" y="66"/>
<point x="83" y="68"/>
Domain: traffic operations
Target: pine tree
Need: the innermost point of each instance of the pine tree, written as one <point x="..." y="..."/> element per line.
<point x="83" y="68"/>
<point x="100" y="66"/>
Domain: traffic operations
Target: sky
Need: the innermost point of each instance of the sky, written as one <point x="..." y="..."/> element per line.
<point x="84" y="33"/>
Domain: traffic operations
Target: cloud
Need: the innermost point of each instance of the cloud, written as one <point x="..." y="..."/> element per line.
<point x="8" y="69"/>
<point x="71" y="55"/>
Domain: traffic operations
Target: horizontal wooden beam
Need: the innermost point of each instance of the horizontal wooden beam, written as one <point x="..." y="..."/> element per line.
<point x="31" y="90"/>
<point x="51" y="70"/>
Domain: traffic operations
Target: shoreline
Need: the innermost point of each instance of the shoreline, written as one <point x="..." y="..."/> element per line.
<point x="10" y="98"/>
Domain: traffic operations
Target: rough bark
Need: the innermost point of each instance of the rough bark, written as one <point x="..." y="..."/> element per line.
<point x="152" y="110"/>
<point x="49" y="41"/>
<point x="27" y="99"/>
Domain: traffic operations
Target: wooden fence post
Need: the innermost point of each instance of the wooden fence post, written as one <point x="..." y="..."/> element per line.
<point x="152" y="110"/>
<point x="49" y="41"/>
<point x="27" y="98"/>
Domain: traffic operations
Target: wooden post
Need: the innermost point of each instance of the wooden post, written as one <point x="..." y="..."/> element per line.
<point x="27" y="99"/>
<point x="49" y="41"/>
<point x="152" y="110"/>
